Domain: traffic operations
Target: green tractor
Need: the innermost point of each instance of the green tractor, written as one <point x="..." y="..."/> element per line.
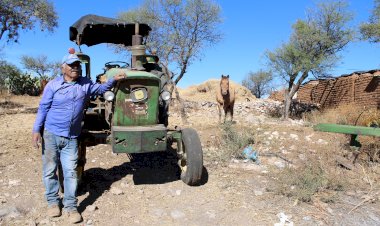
<point x="133" y="116"/>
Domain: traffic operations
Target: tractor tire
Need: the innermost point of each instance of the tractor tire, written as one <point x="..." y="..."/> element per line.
<point x="191" y="160"/>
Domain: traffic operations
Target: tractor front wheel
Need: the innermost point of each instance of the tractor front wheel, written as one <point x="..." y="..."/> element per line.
<point x="190" y="157"/>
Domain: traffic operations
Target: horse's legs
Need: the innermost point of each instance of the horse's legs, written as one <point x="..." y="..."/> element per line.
<point x="232" y="112"/>
<point x="225" y="113"/>
<point x="220" y="112"/>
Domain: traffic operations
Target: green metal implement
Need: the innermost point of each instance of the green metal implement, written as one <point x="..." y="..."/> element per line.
<point x="354" y="131"/>
<point x="348" y="129"/>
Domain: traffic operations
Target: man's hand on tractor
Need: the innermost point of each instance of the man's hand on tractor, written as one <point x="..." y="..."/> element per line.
<point x="119" y="76"/>
<point x="36" y="140"/>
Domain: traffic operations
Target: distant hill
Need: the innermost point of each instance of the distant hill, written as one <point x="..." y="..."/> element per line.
<point x="206" y="91"/>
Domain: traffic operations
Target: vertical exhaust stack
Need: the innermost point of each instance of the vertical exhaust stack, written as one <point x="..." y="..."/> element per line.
<point x="137" y="49"/>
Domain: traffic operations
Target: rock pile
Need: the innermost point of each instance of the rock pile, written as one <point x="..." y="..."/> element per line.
<point x="202" y="97"/>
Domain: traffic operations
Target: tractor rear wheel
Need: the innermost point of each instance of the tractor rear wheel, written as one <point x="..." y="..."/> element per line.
<point x="190" y="157"/>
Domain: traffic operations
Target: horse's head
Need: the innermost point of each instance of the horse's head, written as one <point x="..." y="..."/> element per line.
<point x="224" y="84"/>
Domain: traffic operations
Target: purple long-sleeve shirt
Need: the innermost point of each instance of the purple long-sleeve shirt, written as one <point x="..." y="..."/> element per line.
<point x="62" y="104"/>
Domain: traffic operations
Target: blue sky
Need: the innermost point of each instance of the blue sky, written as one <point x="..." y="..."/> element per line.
<point x="250" y="28"/>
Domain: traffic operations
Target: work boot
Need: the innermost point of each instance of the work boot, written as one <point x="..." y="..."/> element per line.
<point x="74" y="216"/>
<point x="54" y="211"/>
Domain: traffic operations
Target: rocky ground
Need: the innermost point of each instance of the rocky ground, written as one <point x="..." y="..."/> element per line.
<point x="236" y="192"/>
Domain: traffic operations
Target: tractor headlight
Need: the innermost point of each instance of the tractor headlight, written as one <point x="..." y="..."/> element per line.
<point x="109" y="96"/>
<point x="139" y="94"/>
<point x="165" y="95"/>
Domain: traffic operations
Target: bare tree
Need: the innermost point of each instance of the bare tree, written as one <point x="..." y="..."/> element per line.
<point x="180" y="30"/>
<point x="313" y="46"/>
<point x="24" y="15"/>
<point x="258" y="82"/>
<point x="41" y="66"/>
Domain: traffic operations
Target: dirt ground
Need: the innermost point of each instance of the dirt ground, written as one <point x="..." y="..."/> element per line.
<point x="118" y="192"/>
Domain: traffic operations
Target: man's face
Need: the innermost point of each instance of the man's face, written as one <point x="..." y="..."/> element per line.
<point x="72" y="70"/>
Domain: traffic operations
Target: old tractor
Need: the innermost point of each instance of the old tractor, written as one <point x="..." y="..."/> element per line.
<point x="133" y="116"/>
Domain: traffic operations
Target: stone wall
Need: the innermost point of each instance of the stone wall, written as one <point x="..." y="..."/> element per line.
<point x="361" y="88"/>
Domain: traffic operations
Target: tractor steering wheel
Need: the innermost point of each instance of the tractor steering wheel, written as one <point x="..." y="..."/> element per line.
<point x="116" y="64"/>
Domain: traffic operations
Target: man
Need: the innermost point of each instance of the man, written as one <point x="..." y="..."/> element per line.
<point x="59" y="117"/>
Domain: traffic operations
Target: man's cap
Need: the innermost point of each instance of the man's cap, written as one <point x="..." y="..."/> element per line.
<point x="70" y="58"/>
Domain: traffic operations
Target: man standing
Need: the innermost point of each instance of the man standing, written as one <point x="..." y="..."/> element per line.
<point x="59" y="119"/>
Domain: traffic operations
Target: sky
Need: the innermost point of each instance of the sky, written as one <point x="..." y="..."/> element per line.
<point x="250" y="28"/>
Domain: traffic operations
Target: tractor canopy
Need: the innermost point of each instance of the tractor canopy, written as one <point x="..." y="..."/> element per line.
<point x="92" y="30"/>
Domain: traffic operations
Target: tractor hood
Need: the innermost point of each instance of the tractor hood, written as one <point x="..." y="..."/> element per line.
<point x="92" y="29"/>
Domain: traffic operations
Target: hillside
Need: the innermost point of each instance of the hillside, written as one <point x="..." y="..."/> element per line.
<point x="206" y="91"/>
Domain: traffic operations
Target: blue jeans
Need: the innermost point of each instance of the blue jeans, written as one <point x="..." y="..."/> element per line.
<point x="54" y="149"/>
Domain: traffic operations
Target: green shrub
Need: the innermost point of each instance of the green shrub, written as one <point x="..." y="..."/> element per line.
<point x="303" y="183"/>
<point x="233" y="141"/>
<point x="21" y="84"/>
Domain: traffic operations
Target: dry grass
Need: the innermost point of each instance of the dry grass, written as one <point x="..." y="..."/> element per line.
<point x="9" y="105"/>
<point x="354" y="115"/>
<point x="347" y="114"/>
<point x="370" y="149"/>
<point x="232" y="141"/>
<point x="311" y="170"/>
<point x="320" y="176"/>
<point x="314" y="178"/>
<point x="20" y="101"/>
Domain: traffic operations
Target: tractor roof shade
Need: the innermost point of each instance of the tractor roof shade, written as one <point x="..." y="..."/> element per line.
<point x="92" y="29"/>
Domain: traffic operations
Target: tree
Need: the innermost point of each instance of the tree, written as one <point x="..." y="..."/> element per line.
<point x="313" y="47"/>
<point x="15" y="81"/>
<point x="24" y="15"/>
<point x="258" y="82"/>
<point x="6" y="70"/>
<point x="371" y="30"/>
<point x="180" y="30"/>
<point x="41" y="66"/>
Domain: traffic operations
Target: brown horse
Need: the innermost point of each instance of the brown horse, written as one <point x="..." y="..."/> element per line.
<point x="43" y="83"/>
<point x="225" y="97"/>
